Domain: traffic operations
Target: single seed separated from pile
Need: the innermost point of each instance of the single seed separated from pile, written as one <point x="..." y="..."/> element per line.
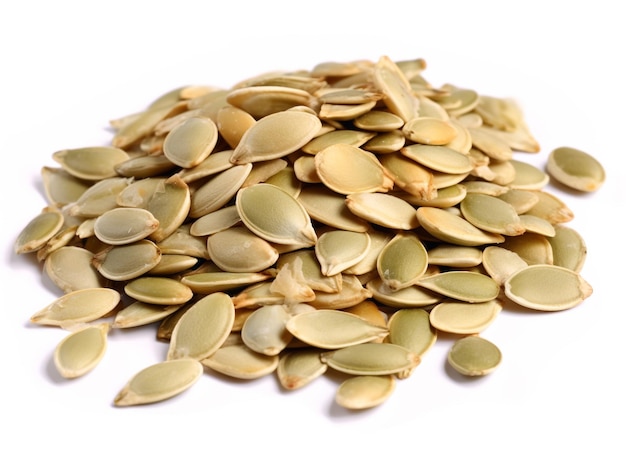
<point x="299" y="221"/>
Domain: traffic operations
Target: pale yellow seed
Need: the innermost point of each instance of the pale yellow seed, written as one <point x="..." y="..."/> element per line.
<point x="365" y="391"/>
<point x="81" y="351"/>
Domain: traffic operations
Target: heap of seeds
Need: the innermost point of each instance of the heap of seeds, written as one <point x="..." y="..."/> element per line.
<point x="334" y="218"/>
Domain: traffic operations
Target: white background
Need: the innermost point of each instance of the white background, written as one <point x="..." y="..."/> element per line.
<point x="557" y="400"/>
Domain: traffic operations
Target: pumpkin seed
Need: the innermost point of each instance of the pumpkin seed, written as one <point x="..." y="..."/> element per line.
<point x="338" y="250"/>
<point x="276" y="135"/>
<point x="125" y="262"/>
<point x="80" y="306"/>
<point x="91" y="163"/>
<point x="38" y="231"/>
<point x="203" y="328"/>
<point x="61" y="187"/>
<point x="500" y="263"/>
<point x="81" y="351"/>
<point x="568" y="248"/>
<point x="333" y="329"/>
<point x="438" y="158"/>
<point x="124" y="225"/>
<point x="218" y="190"/>
<point x="190" y="142"/>
<point x="365" y="391"/>
<point x="158" y="290"/>
<point x="466" y="286"/>
<point x="464" y="318"/>
<point x="453" y="229"/>
<point x="411" y="328"/>
<point x="288" y="223"/>
<point x="159" y="382"/>
<point x="547" y="287"/>
<point x="241" y="362"/>
<point x="576" y="169"/>
<point x="491" y="214"/>
<point x="264" y="331"/>
<point x="474" y="356"/>
<point x="383" y="209"/>
<point x="402" y="261"/>
<point x="300" y="367"/>
<point x="211" y="282"/>
<point x="239" y="250"/>
<point x="140" y="314"/>
<point x="371" y="359"/>
<point x="70" y="269"/>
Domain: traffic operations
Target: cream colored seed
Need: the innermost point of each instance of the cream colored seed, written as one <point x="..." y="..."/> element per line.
<point x="159" y="382"/>
<point x="338" y="250"/>
<point x="371" y="359"/>
<point x="466" y="286"/>
<point x="38" y="231"/>
<point x="127" y="261"/>
<point x="365" y="391"/>
<point x="474" y="356"/>
<point x="299" y="367"/>
<point x="402" y="261"/>
<point x="464" y="318"/>
<point x="81" y="351"/>
<point x="576" y="169"/>
<point x="241" y="362"/>
<point x="81" y="306"/>
<point x="333" y="329"/>
<point x="411" y="328"/>
<point x="124" y="225"/>
<point x="70" y="268"/>
<point x="91" y="163"/>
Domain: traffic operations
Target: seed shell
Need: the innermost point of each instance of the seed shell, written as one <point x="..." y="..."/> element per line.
<point x="464" y="318"/>
<point x="371" y="359"/>
<point x="38" y="231"/>
<point x="576" y="169"/>
<point x="241" y="362"/>
<point x="299" y="367"/>
<point x="471" y="287"/>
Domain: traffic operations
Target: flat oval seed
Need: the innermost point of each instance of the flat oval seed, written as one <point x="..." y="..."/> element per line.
<point x="124" y="225"/>
<point x="125" y="262"/>
<point x="453" y="229"/>
<point x="159" y="382"/>
<point x="211" y="282"/>
<point x="365" y="391"/>
<point x="402" y="261"/>
<point x="299" y="367"/>
<point x="232" y="123"/>
<point x="378" y="120"/>
<point x="527" y="176"/>
<point x="464" y="318"/>
<point x="171" y="264"/>
<point x="70" y="269"/>
<point x="409" y="175"/>
<point x="38" y="231"/>
<point x="61" y="187"/>
<point x="240" y="250"/>
<point x="371" y="359"/>
<point x="329" y="207"/>
<point x="383" y="209"/>
<point x="347" y="136"/>
<point x="333" y="329"/>
<point x="474" y="356"/>
<point x="140" y="314"/>
<point x="170" y="204"/>
<point x="500" y="263"/>
<point x="81" y="351"/>
<point x="455" y="256"/>
<point x="439" y="158"/>
<point x="396" y="89"/>
<point x="338" y="250"/>
<point x="427" y="130"/>
<point x="81" y="306"/>
<point x="347" y="169"/>
<point x="491" y="214"/>
<point x="191" y="142"/>
<point x="576" y="169"/>
<point x="218" y="190"/>
<point x="411" y="329"/>
<point x="408" y="297"/>
<point x="203" y="328"/>
<point x="158" y="290"/>
<point x="534" y="224"/>
<point x="264" y="330"/>
<point x="241" y="362"/>
<point x="276" y="135"/>
<point x="138" y="193"/>
<point x="547" y="287"/>
<point x="532" y="248"/>
<point x="91" y="163"/>
<point x="273" y="214"/>
<point x="215" y="221"/>
<point x="471" y="287"/>
<point x="568" y="248"/>
<point x="99" y="198"/>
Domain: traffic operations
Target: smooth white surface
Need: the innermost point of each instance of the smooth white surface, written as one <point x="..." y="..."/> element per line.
<point x="557" y="401"/>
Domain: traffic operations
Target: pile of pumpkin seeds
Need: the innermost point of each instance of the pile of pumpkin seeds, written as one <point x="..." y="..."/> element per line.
<point x="337" y="218"/>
